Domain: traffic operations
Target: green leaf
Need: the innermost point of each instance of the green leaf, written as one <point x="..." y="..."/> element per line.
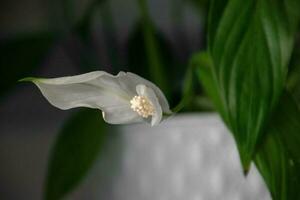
<point x="20" y="56"/>
<point x="293" y="81"/>
<point x="250" y="43"/>
<point x="278" y="158"/>
<point x="74" y="152"/>
<point x="204" y="69"/>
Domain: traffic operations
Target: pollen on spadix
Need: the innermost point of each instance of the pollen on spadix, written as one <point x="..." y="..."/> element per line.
<point x="142" y="106"/>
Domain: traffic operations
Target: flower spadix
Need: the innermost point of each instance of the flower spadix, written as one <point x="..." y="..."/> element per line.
<point x="124" y="98"/>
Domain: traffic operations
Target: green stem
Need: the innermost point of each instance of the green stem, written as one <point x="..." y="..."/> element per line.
<point x="188" y="89"/>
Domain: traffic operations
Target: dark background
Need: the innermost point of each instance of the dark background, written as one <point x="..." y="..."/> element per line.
<point x="56" y="38"/>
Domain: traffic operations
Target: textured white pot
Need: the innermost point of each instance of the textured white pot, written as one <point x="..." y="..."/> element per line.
<point x="187" y="157"/>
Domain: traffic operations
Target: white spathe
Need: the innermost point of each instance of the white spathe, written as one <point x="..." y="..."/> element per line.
<point x="124" y="98"/>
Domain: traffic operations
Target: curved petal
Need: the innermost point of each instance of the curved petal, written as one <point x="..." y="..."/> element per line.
<point x="129" y="81"/>
<point x="111" y="94"/>
<point x="94" y="90"/>
<point x="126" y="83"/>
<point x="150" y="94"/>
<point x="121" y="115"/>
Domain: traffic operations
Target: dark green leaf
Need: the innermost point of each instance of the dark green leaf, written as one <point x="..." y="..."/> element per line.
<point x="203" y="66"/>
<point x="250" y="43"/>
<point x="20" y="56"/>
<point x="293" y="81"/>
<point x="74" y="152"/>
<point x="278" y="158"/>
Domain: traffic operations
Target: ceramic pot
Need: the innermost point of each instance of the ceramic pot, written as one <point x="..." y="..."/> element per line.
<point x="187" y="157"/>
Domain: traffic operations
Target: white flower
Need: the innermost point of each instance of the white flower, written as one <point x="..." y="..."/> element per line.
<point x="124" y="98"/>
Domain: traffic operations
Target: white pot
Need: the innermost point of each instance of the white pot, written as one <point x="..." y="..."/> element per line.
<point x="187" y="157"/>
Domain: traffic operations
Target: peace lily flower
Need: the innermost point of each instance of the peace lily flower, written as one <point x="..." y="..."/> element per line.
<point x="124" y="98"/>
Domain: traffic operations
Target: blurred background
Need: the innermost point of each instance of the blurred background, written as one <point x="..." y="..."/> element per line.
<point x="154" y="39"/>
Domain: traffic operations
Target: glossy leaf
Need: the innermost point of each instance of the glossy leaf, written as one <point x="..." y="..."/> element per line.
<point x="250" y="43"/>
<point x="74" y="152"/>
<point x="20" y="56"/>
<point x="203" y="65"/>
<point x="278" y="158"/>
